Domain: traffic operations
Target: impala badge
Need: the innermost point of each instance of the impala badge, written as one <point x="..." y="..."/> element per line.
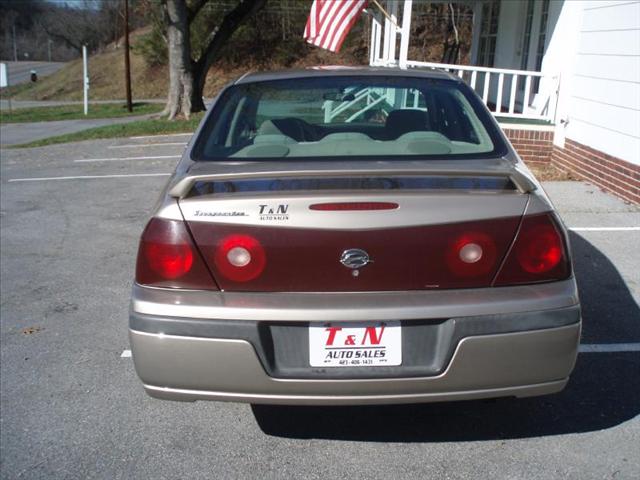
<point x="354" y="258"/>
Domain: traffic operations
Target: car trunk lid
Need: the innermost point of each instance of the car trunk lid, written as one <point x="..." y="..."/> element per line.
<point x="356" y="229"/>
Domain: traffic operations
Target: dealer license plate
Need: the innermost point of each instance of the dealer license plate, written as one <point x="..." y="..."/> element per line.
<point x="355" y="345"/>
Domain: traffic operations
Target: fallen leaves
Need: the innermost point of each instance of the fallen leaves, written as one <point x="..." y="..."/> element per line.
<point x="31" y="330"/>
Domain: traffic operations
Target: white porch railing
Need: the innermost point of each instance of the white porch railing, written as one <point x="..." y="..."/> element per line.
<point x="507" y="93"/>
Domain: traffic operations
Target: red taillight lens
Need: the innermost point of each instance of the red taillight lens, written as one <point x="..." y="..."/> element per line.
<point x="540" y="249"/>
<point x="240" y="258"/>
<point x="169" y="261"/>
<point x="168" y="258"/>
<point x="471" y="254"/>
<point x="539" y="253"/>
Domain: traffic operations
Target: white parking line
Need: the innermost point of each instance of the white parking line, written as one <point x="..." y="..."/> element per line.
<point x="605" y="229"/>
<point x="609" y="347"/>
<point x="162" y="136"/>
<point x="125" y="354"/>
<point x="87" y="177"/>
<point x="124" y="159"/>
<point x="140" y="145"/>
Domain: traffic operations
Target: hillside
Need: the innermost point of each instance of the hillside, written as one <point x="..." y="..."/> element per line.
<point x="106" y="74"/>
<point x="252" y="48"/>
<point x="106" y="77"/>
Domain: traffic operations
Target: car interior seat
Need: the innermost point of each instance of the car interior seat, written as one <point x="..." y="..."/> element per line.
<point x="400" y="122"/>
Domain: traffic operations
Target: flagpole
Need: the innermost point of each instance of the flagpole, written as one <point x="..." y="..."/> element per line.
<point x="384" y="12"/>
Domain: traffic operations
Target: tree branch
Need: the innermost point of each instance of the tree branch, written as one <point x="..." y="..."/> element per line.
<point x="219" y="37"/>
<point x="63" y="38"/>
<point x="195" y="8"/>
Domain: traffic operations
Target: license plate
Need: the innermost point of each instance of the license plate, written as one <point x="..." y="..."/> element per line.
<point x="355" y="345"/>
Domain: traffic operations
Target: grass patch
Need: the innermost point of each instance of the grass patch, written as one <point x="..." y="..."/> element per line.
<point x="14" y="90"/>
<point x="74" y="112"/>
<point x="142" y="127"/>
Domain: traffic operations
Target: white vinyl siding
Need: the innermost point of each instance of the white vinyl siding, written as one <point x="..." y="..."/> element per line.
<point x="624" y="94"/>
<point x="604" y="108"/>
<point x="592" y="43"/>
<point x="607" y="67"/>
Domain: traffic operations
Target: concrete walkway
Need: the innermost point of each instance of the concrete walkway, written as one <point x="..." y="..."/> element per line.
<point x="17" y="133"/>
<point x="4" y="102"/>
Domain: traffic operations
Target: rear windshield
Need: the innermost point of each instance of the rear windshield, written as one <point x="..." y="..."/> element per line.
<point x="354" y="117"/>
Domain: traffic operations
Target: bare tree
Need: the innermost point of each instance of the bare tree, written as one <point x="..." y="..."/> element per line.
<point x="82" y="24"/>
<point x="187" y="76"/>
<point x="61" y="28"/>
<point x="180" y="64"/>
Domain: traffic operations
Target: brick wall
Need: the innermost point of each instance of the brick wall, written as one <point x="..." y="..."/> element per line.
<point x="609" y="173"/>
<point x="533" y="146"/>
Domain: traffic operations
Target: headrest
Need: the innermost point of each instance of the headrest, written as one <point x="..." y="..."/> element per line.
<point x="400" y="122"/>
<point x="268" y="128"/>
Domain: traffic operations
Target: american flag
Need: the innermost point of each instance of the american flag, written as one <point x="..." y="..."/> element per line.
<point x="330" y="20"/>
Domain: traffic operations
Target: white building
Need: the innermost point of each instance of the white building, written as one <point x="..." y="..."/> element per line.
<point x="566" y="71"/>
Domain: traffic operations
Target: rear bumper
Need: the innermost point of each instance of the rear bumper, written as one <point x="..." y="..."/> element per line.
<point x="517" y="364"/>
<point x="522" y="353"/>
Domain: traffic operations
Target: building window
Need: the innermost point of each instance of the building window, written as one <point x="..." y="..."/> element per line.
<point x="542" y="38"/>
<point x="488" y="33"/>
<point x="526" y="39"/>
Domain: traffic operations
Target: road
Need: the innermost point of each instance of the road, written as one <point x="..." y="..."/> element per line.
<point x="20" y="72"/>
<point x="72" y="406"/>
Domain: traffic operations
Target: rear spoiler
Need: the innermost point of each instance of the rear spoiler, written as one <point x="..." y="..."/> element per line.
<point x="522" y="182"/>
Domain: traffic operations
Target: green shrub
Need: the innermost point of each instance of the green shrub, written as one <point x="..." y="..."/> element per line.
<point x="153" y="48"/>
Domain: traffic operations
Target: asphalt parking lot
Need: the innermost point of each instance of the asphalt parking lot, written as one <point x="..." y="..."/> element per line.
<point x="72" y="406"/>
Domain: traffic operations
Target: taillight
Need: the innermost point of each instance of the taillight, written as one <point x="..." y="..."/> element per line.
<point x="169" y="261"/>
<point x="260" y="258"/>
<point x="471" y="254"/>
<point x="240" y="258"/>
<point x="168" y="258"/>
<point x="539" y="250"/>
<point x="539" y="253"/>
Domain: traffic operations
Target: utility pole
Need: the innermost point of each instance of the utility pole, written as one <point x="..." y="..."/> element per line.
<point x="85" y="79"/>
<point x="127" y="66"/>
<point x="15" y="45"/>
<point x="49" y="48"/>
